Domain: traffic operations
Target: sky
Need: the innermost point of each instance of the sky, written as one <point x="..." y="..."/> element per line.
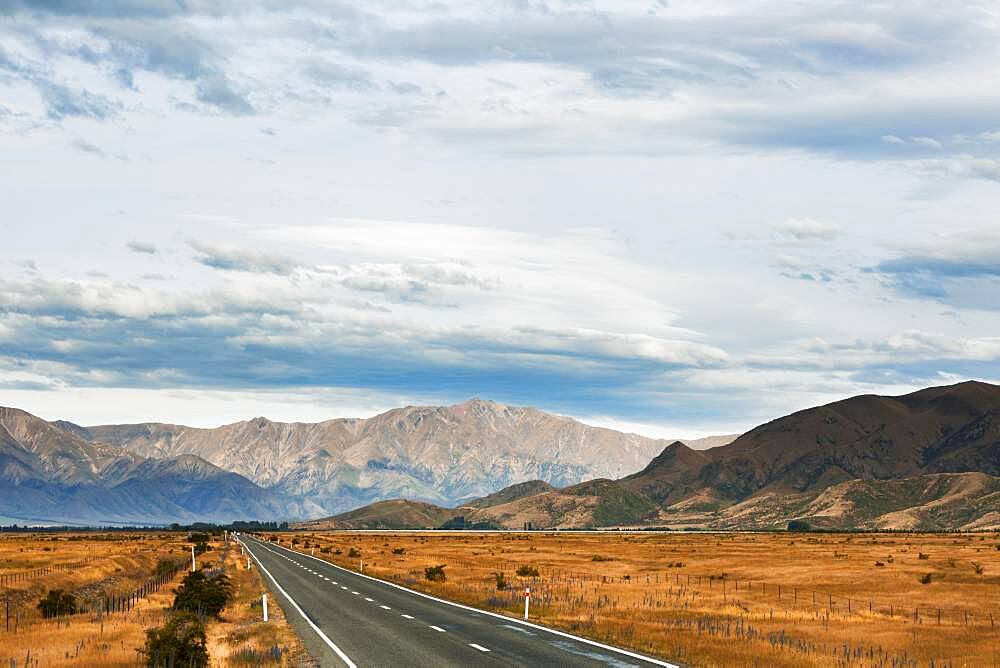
<point x="675" y="218"/>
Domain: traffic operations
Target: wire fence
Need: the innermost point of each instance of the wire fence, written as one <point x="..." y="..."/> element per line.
<point x="107" y="602"/>
<point x="7" y="579"/>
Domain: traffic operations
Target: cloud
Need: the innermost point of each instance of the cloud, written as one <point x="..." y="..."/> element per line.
<point x="807" y="229"/>
<point x="243" y="260"/>
<point x="961" y="269"/>
<point x="142" y="247"/>
<point x="62" y="102"/>
<point x="218" y="92"/>
<point x="87" y="147"/>
<point x="962" y="166"/>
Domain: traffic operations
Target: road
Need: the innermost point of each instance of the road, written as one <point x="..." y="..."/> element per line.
<point x="346" y="618"/>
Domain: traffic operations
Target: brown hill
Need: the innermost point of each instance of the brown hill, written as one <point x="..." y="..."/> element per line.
<point x="943" y="429"/>
<point x="394" y="514"/>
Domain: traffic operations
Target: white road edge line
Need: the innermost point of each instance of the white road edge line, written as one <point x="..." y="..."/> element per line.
<point x="479" y="647"/>
<point x="318" y="630"/>
<point x="586" y="641"/>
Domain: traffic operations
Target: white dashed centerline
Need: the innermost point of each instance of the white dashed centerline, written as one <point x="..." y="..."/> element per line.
<point x="438" y="629"/>
<point x="385" y="607"/>
<point x="479" y="647"/>
<point x="407" y="616"/>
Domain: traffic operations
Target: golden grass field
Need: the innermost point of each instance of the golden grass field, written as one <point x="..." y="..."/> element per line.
<point x="118" y="562"/>
<point x="707" y="599"/>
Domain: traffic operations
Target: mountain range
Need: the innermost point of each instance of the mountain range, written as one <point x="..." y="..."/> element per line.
<point x="926" y="460"/>
<point x="260" y="469"/>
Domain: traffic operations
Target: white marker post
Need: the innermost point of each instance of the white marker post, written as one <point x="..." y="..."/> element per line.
<point x="248" y="563"/>
<point x="527" y="598"/>
<point x="264" y="603"/>
<point x="193" y="568"/>
<point x="362" y="566"/>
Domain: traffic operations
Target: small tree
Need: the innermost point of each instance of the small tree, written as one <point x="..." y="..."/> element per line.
<point x="57" y="603"/>
<point x="200" y="541"/>
<point x="799" y="525"/>
<point x="501" y="580"/>
<point x="203" y="595"/>
<point x="180" y="642"/>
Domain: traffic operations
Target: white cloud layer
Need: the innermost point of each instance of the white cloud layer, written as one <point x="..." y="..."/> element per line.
<point x="690" y="216"/>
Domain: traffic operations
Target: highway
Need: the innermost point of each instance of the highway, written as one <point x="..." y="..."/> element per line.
<point x="347" y="618"/>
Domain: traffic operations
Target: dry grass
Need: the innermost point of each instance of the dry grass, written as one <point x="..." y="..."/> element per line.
<point x="113" y="563"/>
<point x="242" y="638"/>
<point x="675" y="595"/>
<point x="118" y="562"/>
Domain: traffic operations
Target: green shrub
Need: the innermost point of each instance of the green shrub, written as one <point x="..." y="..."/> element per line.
<point x="399" y="550"/>
<point x="57" y="603"/>
<point x="926" y="578"/>
<point x="180" y="642"/>
<point x="435" y="573"/>
<point x="527" y="571"/>
<point x="501" y="581"/>
<point x="203" y="595"/>
<point x="353" y="553"/>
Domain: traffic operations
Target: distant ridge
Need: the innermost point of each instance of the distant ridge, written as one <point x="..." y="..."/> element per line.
<point x="437" y="454"/>
<point x="925" y="460"/>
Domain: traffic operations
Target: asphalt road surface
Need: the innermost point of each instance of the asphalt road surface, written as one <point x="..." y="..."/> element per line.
<point x="345" y="618"/>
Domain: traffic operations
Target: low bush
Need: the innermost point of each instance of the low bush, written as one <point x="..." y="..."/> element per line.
<point x="921" y="555"/>
<point x="57" y="603"/>
<point x="598" y="557"/>
<point x="501" y="581"/>
<point x="353" y="553"/>
<point x="435" y="573"/>
<point x="527" y="571"/>
<point x="926" y="578"/>
<point x="399" y="550"/>
<point x="180" y="642"/>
